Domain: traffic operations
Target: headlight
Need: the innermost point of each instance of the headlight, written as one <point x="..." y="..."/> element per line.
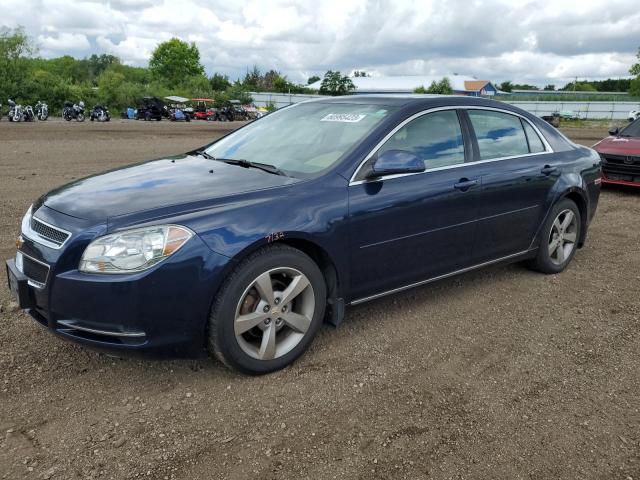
<point x="133" y="250"/>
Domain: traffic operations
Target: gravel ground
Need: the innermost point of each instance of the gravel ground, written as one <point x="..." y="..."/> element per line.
<point x="500" y="373"/>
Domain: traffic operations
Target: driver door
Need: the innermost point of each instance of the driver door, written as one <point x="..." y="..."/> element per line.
<point x="411" y="227"/>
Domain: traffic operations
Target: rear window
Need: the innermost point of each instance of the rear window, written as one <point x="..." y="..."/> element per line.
<point x="498" y="134"/>
<point x="535" y="143"/>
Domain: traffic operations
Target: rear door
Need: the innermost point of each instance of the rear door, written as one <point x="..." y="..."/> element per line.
<point x="407" y="228"/>
<point x="518" y="172"/>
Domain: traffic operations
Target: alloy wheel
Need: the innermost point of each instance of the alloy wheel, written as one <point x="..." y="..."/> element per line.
<point x="563" y="237"/>
<point x="274" y="313"/>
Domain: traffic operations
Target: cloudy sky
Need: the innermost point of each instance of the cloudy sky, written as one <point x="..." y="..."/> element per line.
<point x="525" y="41"/>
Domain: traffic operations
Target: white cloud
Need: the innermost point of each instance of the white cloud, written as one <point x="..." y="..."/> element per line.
<point x="537" y="41"/>
<point x="61" y="43"/>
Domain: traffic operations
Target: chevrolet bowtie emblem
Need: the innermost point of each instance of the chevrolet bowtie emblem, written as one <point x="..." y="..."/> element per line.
<point x="19" y="243"/>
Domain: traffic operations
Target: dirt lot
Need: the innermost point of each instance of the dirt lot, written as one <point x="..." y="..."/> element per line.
<point x="501" y="373"/>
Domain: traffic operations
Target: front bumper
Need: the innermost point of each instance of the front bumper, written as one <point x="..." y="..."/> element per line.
<point x="612" y="181"/>
<point x="620" y="169"/>
<point x="162" y="311"/>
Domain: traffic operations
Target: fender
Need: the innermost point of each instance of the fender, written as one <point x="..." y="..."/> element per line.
<point x="558" y="194"/>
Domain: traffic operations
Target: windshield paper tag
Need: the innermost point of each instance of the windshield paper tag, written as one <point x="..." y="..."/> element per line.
<point x="343" y="117"/>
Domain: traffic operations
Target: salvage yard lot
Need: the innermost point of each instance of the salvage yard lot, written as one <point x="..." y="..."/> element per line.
<point x="500" y="373"/>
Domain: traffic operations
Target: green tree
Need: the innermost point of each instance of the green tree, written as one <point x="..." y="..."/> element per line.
<point x="360" y="73"/>
<point x="550" y="87"/>
<point x="174" y="61"/>
<point x="312" y="79"/>
<point x="219" y="82"/>
<point x="334" y="83"/>
<point x="441" y="87"/>
<point x="506" y="86"/>
<point x="579" y="87"/>
<point x="523" y="86"/>
<point x="15" y="48"/>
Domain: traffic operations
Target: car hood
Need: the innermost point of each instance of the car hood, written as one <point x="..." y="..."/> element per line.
<point x="619" y="145"/>
<point x="155" y="184"/>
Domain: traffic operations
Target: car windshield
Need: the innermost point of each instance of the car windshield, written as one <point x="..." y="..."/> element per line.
<point x="632" y="130"/>
<point x="302" y="140"/>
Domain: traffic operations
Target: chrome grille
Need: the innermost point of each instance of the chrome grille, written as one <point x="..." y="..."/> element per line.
<point x="48" y="232"/>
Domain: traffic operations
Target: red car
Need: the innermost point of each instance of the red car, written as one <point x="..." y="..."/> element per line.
<point x="620" y="153"/>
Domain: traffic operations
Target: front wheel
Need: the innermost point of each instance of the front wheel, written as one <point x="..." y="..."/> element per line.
<point x="268" y="311"/>
<point x="80" y="117"/>
<point x="559" y="238"/>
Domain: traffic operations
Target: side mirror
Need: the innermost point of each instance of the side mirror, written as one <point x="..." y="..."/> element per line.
<point x="614" y="132"/>
<point x="393" y="162"/>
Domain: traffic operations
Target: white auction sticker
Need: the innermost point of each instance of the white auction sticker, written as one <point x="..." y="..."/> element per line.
<point x="343" y="117"/>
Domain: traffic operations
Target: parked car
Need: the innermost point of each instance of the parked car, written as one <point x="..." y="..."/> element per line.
<point x="620" y="153"/>
<point x="553" y="119"/>
<point x="633" y="115"/>
<point x="246" y="245"/>
<point x="152" y="108"/>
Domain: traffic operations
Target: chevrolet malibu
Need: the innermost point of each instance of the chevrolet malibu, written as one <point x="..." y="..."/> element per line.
<point x="243" y="248"/>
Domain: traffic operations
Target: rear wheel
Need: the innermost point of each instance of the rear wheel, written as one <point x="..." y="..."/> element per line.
<point x="268" y="311"/>
<point x="559" y="241"/>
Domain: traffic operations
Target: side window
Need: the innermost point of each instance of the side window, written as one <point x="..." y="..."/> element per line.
<point x="435" y="137"/>
<point x="535" y="144"/>
<point x="499" y="134"/>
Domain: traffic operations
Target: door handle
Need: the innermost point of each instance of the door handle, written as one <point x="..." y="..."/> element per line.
<point x="548" y="169"/>
<point x="465" y="184"/>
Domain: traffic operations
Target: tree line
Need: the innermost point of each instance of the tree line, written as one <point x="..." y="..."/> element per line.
<point x="174" y="69"/>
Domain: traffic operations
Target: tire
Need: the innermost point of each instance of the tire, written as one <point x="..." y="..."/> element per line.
<point x="241" y="348"/>
<point x="550" y="259"/>
<point x="80" y="117"/>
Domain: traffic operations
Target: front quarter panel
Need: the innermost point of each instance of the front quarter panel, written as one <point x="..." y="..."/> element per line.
<point x="313" y="210"/>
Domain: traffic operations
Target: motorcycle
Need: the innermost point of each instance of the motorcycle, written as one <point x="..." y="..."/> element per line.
<point x="72" y="110"/>
<point x="42" y="111"/>
<point x="28" y="115"/>
<point x="15" y="112"/>
<point x="100" y="114"/>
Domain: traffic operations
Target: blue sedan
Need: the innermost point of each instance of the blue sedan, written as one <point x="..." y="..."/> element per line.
<point x="243" y="248"/>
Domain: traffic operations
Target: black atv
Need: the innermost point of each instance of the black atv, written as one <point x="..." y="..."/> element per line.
<point x="152" y="108"/>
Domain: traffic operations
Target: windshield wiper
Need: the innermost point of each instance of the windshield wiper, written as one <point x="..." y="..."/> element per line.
<point x="205" y="154"/>
<point x="245" y="163"/>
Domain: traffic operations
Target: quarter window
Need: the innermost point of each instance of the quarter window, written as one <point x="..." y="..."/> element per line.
<point x="498" y="134"/>
<point x="535" y="144"/>
<point x="435" y="137"/>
